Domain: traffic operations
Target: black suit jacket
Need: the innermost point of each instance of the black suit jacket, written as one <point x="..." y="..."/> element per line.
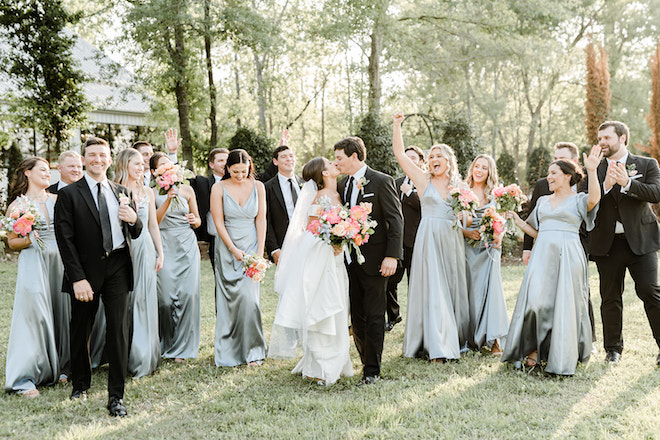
<point x="202" y="186"/>
<point x="53" y="188"/>
<point x="79" y="237"/>
<point x="633" y="208"/>
<point x="387" y="239"/>
<point x="412" y="213"/>
<point x="277" y="219"/>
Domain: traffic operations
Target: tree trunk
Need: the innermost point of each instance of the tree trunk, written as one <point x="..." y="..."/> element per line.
<point x="261" y="93"/>
<point x="181" y="91"/>
<point x="209" y="68"/>
<point x="374" y="70"/>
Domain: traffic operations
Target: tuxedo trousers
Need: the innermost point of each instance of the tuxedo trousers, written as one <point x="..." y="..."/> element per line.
<point x="612" y="270"/>
<point x="393" y="309"/>
<point x="368" y="300"/>
<point x="114" y="294"/>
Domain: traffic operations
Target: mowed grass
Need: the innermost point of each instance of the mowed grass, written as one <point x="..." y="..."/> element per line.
<point x="474" y="398"/>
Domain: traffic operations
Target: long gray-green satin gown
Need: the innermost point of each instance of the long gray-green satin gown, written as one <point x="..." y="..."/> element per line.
<point x="552" y="314"/>
<point x="32" y="352"/>
<point x="144" y="354"/>
<point x="178" y="283"/>
<point x="438" y="318"/>
<point x="488" y="316"/>
<point x="239" y="337"/>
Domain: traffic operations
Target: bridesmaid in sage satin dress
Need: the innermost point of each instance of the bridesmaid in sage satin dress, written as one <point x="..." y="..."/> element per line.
<point x="437" y="319"/>
<point x="147" y="259"/>
<point x="178" y="281"/>
<point x="32" y="355"/>
<point x="238" y="206"/>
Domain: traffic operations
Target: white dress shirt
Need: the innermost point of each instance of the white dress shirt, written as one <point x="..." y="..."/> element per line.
<point x="286" y="192"/>
<point x="118" y="240"/>
<point x="357" y="176"/>
<point x="210" y="225"/>
<point x="618" y="226"/>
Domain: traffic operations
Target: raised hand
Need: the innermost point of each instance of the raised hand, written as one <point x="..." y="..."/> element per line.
<point x="595" y="156"/>
<point x="284" y="139"/>
<point x="171" y="140"/>
<point x="398" y="118"/>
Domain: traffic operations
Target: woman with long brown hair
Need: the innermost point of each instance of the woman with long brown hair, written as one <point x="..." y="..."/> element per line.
<point x="33" y="353"/>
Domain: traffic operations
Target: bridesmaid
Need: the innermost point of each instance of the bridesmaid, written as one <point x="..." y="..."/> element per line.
<point x="178" y="280"/>
<point x="238" y="206"/>
<point x="147" y="258"/>
<point x="551" y="320"/>
<point x="489" y="320"/>
<point x="32" y="355"/>
<point x="438" y="316"/>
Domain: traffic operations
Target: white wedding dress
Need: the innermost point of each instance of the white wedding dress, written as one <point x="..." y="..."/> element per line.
<point x="312" y="312"/>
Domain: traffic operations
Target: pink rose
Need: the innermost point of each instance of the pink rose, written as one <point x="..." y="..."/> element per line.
<point x="23" y="226"/>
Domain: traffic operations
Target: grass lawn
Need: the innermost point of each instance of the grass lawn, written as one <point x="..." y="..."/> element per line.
<point x="474" y="398"/>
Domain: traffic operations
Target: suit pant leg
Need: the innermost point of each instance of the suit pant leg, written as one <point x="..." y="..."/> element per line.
<point x="644" y="271"/>
<point x="80" y="329"/>
<point x="393" y="308"/>
<point x="212" y="251"/>
<point x="368" y="303"/>
<point x="115" y="301"/>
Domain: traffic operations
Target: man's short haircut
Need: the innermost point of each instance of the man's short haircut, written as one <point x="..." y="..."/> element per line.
<point x="352" y="144"/>
<point x="417" y="150"/>
<point x="93" y="141"/>
<point x="139" y="144"/>
<point x="569" y="146"/>
<point x="619" y="128"/>
<point x="278" y="150"/>
<point x="68" y="153"/>
<point x="215" y="151"/>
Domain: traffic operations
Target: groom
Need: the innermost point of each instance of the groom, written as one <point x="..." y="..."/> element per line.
<point x="368" y="281"/>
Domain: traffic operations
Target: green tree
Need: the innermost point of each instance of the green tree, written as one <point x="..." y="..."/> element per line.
<point x="597" y="104"/>
<point x="38" y="59"/>
<point x="458" y="134"/>
<point x="377" y="139"/>
<point x="506" y="168"/>
<point x="258" y="146"/>
<point x="538" y="164"/>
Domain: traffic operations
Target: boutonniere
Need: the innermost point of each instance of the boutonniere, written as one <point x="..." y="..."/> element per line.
<point x="361" y="183"/>
<point x="123" y="199"/>
<point x="632" y="169"/>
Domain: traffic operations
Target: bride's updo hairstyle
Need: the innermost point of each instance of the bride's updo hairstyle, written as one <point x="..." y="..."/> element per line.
<point x="313" y="170"/>
<point x="571" y="169"/>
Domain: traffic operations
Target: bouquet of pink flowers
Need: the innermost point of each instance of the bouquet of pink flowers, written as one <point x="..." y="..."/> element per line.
<point x="491" y="228"/>
<point x="24" y="218"/>
<point x="462" y="199"/>
<point x="339" y="225"/>
<point x="255" y="267"/>
<point x="509" y="198"/>
<point x="170" y="175"/>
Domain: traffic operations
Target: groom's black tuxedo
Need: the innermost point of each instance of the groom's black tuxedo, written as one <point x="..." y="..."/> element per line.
<point x="367" y="288"/>
<point x="79" y="239"/>
<point x="635" y="249"/>
<point x="277" y="219"/>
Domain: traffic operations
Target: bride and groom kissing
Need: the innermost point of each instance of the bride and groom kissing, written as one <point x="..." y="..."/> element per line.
<point x="316" y="283"/>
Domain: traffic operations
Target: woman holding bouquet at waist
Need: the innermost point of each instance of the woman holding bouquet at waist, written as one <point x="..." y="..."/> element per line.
<point x="238" y="207"/>
<point x="179" y="312"/>
<point x="32" y="352"/>
<point x="437" y="321"/>
<point x="312" y="282"/>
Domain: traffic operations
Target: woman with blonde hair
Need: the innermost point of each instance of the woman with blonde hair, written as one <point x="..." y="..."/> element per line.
<point x="438" y="318"/>
<point x="489" y="320"/>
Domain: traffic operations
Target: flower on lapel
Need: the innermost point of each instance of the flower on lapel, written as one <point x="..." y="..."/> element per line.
<point x="361" y="183"/>
<point x="123" y="199"/>
<point x="632" y="169"/>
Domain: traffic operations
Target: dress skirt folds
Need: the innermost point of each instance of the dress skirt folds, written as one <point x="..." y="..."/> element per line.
<point x="32" y="352"/>
<point x="239" y="338"/>
<point x="552" y="314"/>
<point x="438" y="316"/>
<point x="179" y="312"/>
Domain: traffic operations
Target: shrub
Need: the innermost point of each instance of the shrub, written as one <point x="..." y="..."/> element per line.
<point x="506" y="168"/>
<point x="256" y="144"/>
<point x="538" y="164"/>
<point x="377" y="139"/>
<point x="459" y="136"/>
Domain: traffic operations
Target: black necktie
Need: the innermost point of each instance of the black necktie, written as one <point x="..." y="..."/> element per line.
<point x="294" y="194"/>
<point x="349" y="192"/>
<point x="106" y="229"/>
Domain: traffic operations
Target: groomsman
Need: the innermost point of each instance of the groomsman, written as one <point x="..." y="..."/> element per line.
<point x="368" y="281"/>
<point x="70" y="167"/>
<point x="412" y="212"/>
<point x="146" y="150"/>
<point x="93" y="218"/>
<point x="626" y="235"/>
<point x="202" y="186"/>
<point x="281" y="196"/>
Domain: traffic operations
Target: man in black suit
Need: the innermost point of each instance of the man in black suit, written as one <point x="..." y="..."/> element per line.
<point x="93" y="218"/>
<point x="368" y="281"/>
<point x="70" y="167"/>
<point x="412" y="213"/>
<point x="202" y="186"/>
<point x="281" y="195"/>
<point x="626" y="234"/>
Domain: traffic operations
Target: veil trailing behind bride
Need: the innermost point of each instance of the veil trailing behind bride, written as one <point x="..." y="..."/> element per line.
<point x="312" y="312"/>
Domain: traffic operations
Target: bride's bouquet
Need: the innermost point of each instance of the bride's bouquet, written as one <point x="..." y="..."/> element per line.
<point x="490" y="229"/>
<point x="462" y="199"/>
<point x="255" y="267"/>
<point x="24" y="218"/>
<point x="170" y="175"/>
<point x="339" y="226"/>
<point x="509" y="198"/>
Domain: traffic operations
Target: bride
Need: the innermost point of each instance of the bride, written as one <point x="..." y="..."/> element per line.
<point x="311" y="279"/>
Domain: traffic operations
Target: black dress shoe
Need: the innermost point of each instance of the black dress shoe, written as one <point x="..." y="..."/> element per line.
<point x="612" y="356"/>
<point x="368" y="380"/>
<point x="389" y="325"/>
<point x="116" y="407"/>
<point x="77" y="394"/>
